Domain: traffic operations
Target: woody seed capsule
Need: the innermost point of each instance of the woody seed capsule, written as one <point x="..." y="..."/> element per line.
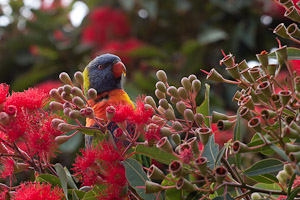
<point x="79" y="77"/>
<point x="161" y="86"/>
<point x="161" y="75"/>
<point x="65" y="78"/>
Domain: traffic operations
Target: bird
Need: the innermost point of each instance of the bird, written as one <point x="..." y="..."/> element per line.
<point x="105" y="74"/>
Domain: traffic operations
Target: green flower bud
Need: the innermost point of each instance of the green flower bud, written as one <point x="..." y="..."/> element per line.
<point x="76" y="92"/>
<point x="288" y="168"/>
<point x="161" y="109"/>
<point x="75" y="114"/>
<point x="161" y="87"/>
<point x="177" y="126"/>
<point x="60" y="90"/>
<point x="291" y="148"/>
<point x="161" y="75"/>
<point x="149" y="100"/>
<point x="199" y="118"/>
<point x="65" y="78"/>
<point x="189" y="115"/>
<point x="92" y="93"/>
<point x="64" y="127"/>
<point x="67" y="89"/>
<point x="169" y="114"/>
<point x="282" y="177"/>
<point x="61" y="139"/>
<point x="180" y="106"/>
<point x="67" y="97"/>
<point x="256" y="196"/>
<point x="164" y="131"/>
<point x="78" y="102"/>
<point x="164" y="103"/>
<point x="196" y="86"/>
<point x="174" y="100"/>
<point x="176" y="139"/>
<point x="55" y="105"/>
<point x="182" y="93"/>
<point x="185" y="82"/>
<point x="159" y="94"/>
<point x="55" y="95"/>
<point x="173" y="91"/>
<point x="192" y="77"/>
<point x="79" y="77"/>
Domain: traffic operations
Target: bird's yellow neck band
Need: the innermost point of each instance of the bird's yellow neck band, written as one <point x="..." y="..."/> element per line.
<point x="86" y="82"/>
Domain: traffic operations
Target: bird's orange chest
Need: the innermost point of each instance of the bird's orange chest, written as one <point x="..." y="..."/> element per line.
<point x="106" y="99"/>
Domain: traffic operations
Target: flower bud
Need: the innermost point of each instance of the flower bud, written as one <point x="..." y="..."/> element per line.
<point x="11" y="110"/>
<point x="199" y="118"/>
<point x="189" y="115"/>
<point x="61" y="139"/>
<point x="186" y="83"/>
<point x="282" y="177"/>
<point x="64" y="127"/>
<point x="177" y="126"/>
<point x="67" y="111"/>
<point x="92" y="93"/>
<point x="256" y="196"/>
<point x="161" y="75"/>
<point x="291" y="148"/>
<point x="288" y="169"/>
<point x="220" y="173"/>
<point x="164" y="131"/>
<point x="55" y="122"/>
<point x="180" y="106"/>
<point x="192" y="77"/>
<point x="164" y="103"/>
<point x="165" y="145"/>
<point x="295" y="157"/>
<point x="79" y="77"/>
<point x="186" y="185"/>
<point x="75" y="114"/>
<point x="67" y="89"/>
<point x="54" y="105"/>
<point x="55" y="95"/>
<point x="174" y="100"/>
<point x="60" y="90"/>
<point x="75" y="91"/>
<point x="4" y="118"/>
<point x="196" y="86"/>
<point x="159" y="94"/>
<point x="78" y="101"/>
<point x="152" y="187"/>
<point x="173" y="91"/>
<point x="155" y="173"/>
<point x="176" y="139"/>
<point x="88" y="112"/>
<point x="110" y="112"/>
<point x="65" y="78"/>
<point x="169" y="114"/>
<point x="65" y="96"/>
<point x="149" y="100"/>
<point x="161" y="109"/>
<point x="161" y="87"/>
<point x="68" y="105"/>
<point x="182" y="93"/>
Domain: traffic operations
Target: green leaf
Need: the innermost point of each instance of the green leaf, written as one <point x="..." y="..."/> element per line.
<point x="74" y="195"/>
<point x="90" y="195"/>
<point x="62" y="177"/>
<point x="279" y="151"/>
<point x="194" y="196"/>
<point x="211" y="151"/>
<point x="265" y="166"/>
<point x="211" y="35"/>
<point x="221" y="153"/>
<point x="137" y="177"/>
<point x="227" y="197"/>
<point x="204" y="107"/>
<point x="171" y="193"/>
<point x="79" y="194"/>
<point x="48" y="178"/>
<point x="293" y="54"/>
<point x="70" y="180"/>
<point x="291" y="183"/>
<point x="156" y="153"/>
<point x="265" y="178"/>
<point x="237" y="136"/>
<point x="272" y="187"/>
<point x="91" y="132"/>
<point x="147" y="51"/>
<point x="294" y="194"/>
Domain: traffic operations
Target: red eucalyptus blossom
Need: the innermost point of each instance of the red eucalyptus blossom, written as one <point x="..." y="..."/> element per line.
<point x="38" y="191"/>
<point x="141" y="113"/>
<point x="3" y="92"/>
<point x="122" y="112"/>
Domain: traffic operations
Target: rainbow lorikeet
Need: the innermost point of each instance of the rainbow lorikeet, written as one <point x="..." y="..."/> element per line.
<point x="104" y="74"/>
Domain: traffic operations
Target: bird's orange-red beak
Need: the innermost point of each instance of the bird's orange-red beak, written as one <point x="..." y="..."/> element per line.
<point x="119" y="69"/>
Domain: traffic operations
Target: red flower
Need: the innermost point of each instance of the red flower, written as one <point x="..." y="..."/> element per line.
<point x="186" y="155"/>
<point x="7" y="168"/>
<point x="18" y="126"/>
<point x="141" y="114"/>
<point x="122" y="112"/>
<point x="48" y="85"/>
<point x="152" y="133"/>
<point x="295" y="65"/>
<point x="38" y="191"/>
<point x="109" y="154"/>
<point x="105" y="23"/>
<point x="221" y="137"/>
<point x="3" y="92"/>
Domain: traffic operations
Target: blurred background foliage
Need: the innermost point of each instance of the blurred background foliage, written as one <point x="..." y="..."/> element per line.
<point x="41" y="38"/>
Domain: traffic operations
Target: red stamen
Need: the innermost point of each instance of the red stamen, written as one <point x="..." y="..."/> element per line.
<point x="204" y="71"/>
<point x="223" y="53"/>
<point x="279" y="43"/>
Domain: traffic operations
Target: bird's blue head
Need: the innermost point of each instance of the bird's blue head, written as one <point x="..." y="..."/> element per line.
<point x="104" y="73"/>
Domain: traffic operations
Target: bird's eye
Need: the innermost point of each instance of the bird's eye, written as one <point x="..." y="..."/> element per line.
<point x="100" y="67"/>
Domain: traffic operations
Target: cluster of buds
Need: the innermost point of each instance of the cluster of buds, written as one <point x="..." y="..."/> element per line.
<point x="73" y="102"/>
